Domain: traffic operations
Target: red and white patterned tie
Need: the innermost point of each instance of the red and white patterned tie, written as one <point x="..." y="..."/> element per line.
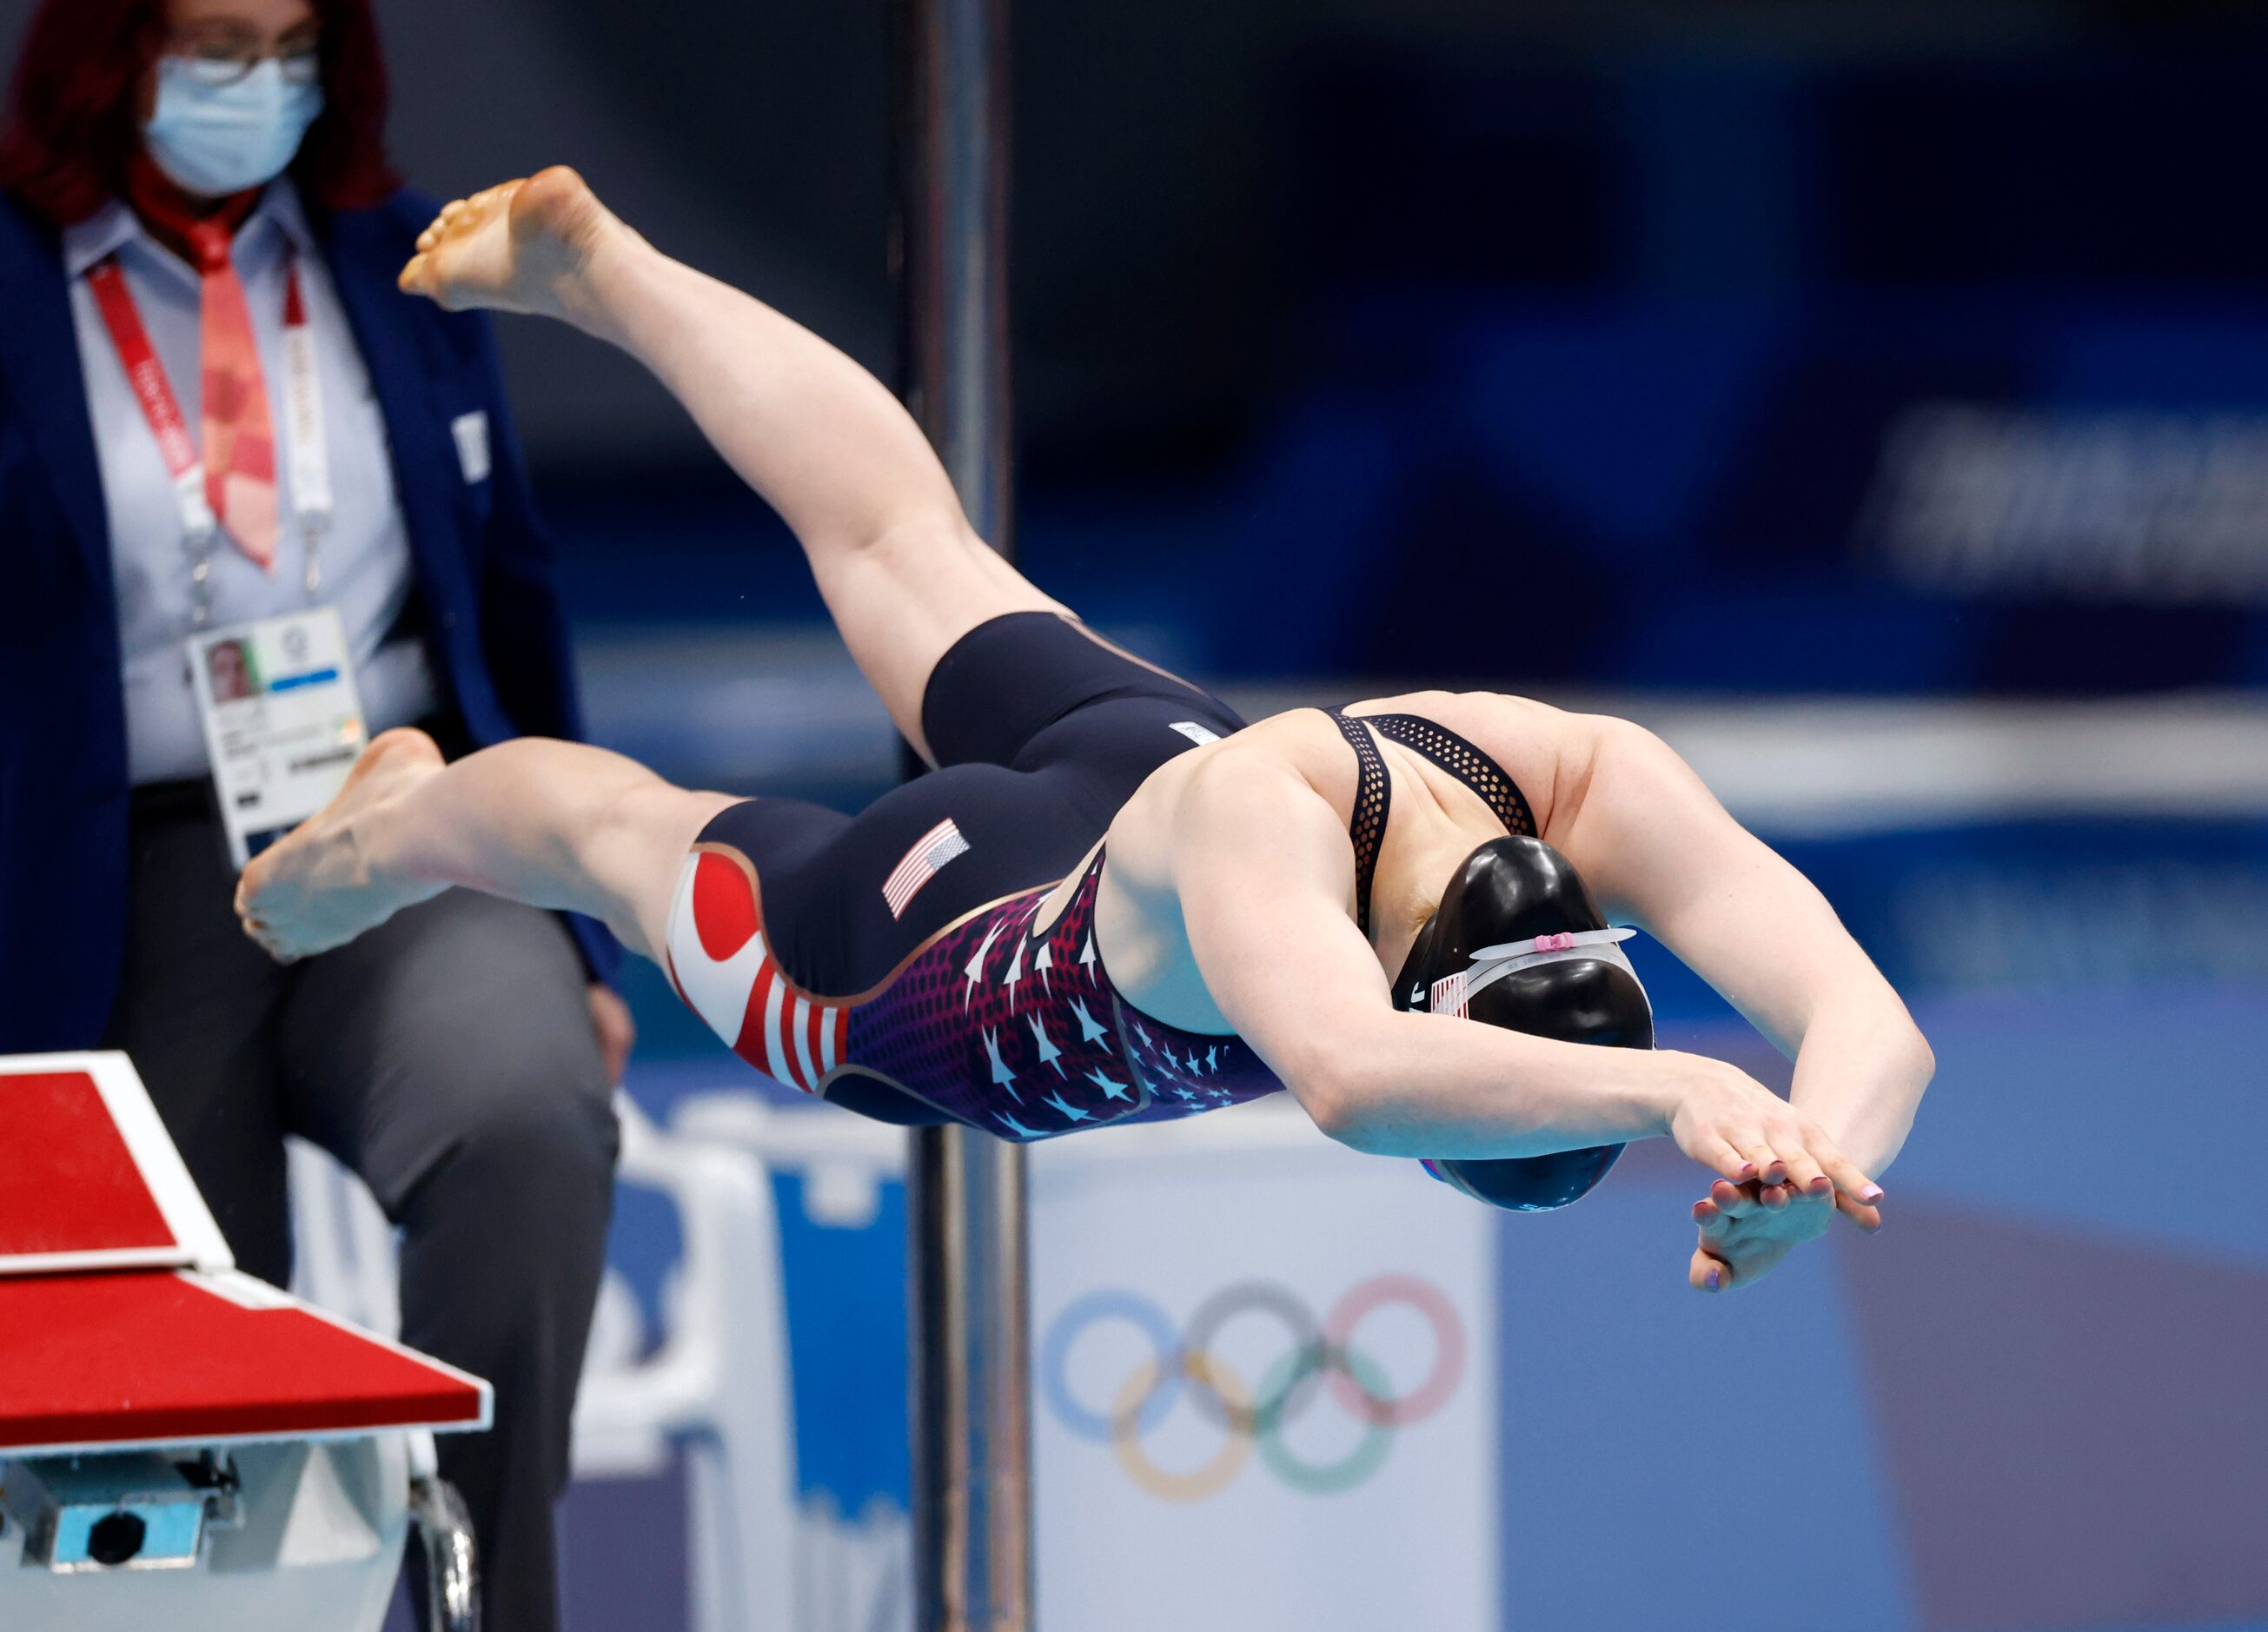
<point x="239" y="439"/>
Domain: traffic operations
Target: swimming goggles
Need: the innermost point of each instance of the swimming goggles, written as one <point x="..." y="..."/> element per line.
<point x="1453" y="993"/>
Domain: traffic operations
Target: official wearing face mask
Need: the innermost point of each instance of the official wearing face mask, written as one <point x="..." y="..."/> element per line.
<point x="255" y="507"/>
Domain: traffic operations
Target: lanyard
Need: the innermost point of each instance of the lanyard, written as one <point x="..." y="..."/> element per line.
<point x="303" y="399"/>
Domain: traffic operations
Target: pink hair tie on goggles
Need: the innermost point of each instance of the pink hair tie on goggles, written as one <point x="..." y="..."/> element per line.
<point x="1452" y="993"/>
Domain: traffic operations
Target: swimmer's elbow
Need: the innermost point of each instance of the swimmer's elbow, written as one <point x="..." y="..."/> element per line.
<point x="1901" y="1041"/>
<point x="1348" y="1072"/>
<point x="1330" y="1110"/>
<point x="1343" y="1105"/>
<point x="1344" y="1119"/>
<point x="1922" y="1057"/>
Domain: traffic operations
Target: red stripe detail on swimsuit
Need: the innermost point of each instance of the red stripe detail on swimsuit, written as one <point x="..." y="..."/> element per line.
<point x="751" y="1046"/>
<point x="812" y="1028"/>
<point x="723" y="907"/>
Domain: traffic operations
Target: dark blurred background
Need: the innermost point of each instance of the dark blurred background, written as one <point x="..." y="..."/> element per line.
<point x="1879" y="347"/>
<point x="1853" y="345"/>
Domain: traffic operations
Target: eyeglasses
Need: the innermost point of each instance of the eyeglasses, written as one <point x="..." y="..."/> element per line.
<point x="219" y="63"/>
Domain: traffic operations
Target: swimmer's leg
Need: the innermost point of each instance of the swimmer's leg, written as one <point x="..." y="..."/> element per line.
<point x="556" y="825"/>
<point x="828" y="446"/>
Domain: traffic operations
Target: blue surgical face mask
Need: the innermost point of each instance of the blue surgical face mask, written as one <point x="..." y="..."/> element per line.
<point x="214" y="133"/>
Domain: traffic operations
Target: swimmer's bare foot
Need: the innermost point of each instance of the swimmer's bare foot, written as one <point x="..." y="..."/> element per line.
<point x="517" y="246"/>
<point x="316" y="887"/>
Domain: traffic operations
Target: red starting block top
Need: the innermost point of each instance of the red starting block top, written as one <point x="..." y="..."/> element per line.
<point x="123" y="1321"/>
<point x="142" y="1358"/>
<point x="89" y="1178"/>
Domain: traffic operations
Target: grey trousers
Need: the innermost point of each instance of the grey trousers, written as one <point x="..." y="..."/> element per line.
<point x="447" y="1057"/>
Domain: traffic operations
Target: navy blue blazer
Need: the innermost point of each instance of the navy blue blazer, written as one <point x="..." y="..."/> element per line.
<point x="494" y="628"/>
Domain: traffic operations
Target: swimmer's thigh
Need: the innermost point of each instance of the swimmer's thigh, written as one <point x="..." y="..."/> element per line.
<point x="902" y="601"/>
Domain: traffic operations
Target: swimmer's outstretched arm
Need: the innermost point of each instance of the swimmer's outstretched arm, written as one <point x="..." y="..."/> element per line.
<point x="1264" y="875"/>
<point x="1658" y="848"/>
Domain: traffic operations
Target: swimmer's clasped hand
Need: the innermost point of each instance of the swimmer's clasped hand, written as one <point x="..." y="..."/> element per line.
<point x="1781" y="1177"/>
<point x="1746" y="1229"/>
<point x="1731" y="1123"/>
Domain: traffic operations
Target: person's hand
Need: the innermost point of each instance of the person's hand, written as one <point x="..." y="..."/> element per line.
<point x="616" y="1032"/>
<point x="1746" y="1229"/>
<point x="1734" y="1125"/>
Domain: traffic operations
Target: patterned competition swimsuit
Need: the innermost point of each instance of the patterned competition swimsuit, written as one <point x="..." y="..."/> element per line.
<point x="1023" y="1036"/>
<point x="887" y="962"/>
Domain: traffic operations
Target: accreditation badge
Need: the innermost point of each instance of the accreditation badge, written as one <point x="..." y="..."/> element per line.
<point x="282" y="721"/>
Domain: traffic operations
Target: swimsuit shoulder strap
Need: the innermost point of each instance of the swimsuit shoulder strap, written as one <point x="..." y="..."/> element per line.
<point x="1461" y="760"/>
<point x="1373" y="798"/>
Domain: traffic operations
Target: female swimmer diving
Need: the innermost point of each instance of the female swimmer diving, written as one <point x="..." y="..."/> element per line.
<point x="1113" y="900"/>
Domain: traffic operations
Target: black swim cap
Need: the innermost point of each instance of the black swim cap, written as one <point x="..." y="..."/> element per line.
<point x="1518" y="942"/>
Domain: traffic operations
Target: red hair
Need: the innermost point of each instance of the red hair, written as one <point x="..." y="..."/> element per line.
<point x="71" y="125"/>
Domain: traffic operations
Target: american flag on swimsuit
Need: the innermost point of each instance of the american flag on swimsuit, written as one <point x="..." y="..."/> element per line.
<point x="1449" y="995"/>
<point x="939" y="845"/>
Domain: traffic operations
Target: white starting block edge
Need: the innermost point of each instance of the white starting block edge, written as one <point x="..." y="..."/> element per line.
<point x="197" y="1239"/>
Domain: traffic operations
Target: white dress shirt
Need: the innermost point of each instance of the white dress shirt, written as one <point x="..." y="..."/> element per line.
<point x="364" y="560"/>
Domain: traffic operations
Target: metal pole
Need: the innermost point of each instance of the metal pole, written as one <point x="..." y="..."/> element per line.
<point x="971" y="1369"/>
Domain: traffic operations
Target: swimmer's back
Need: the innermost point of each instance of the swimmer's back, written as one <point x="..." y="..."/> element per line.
<point x="1543" y="750"/>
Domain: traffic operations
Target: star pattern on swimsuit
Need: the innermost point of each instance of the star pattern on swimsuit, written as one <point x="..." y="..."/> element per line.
<point x="1050" y="1054"/>
<point x="1015" y="973"/>
<point x="975" y="970"/>
<point x="1088" y="1031"/>
<point x="975" y="1024"/>
<point x="1002" y="1077"/>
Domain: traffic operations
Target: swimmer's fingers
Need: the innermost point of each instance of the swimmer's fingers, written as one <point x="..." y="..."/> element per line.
<point x="1735" y="1201"/>
<point x="1758" y="1149"/>
<point x="1867" y="1219"/>
<point x="1794" y="1152"/>
<point x="1849" y="1178"/>
<point x="1706" y="1273"/>
<point x="1774" y="1187"/>
<point x="1807" y="1176"/>
<point x="1714" y="1150"/>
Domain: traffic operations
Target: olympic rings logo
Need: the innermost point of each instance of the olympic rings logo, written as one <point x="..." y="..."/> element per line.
<point x="1320" y="1359"/>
